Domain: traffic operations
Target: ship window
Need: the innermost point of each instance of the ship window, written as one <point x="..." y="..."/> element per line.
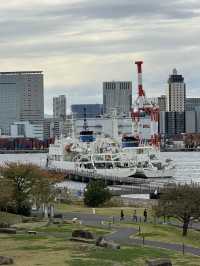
<point x="140" y="151"/>
<point x="99" y="158"/>
<point x="100" y="165"/>
<point x="89" y="166"/>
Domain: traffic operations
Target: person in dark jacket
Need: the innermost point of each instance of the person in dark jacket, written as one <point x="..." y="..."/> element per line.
<point x="121" y="215"/>
<point x="145" y="215"/>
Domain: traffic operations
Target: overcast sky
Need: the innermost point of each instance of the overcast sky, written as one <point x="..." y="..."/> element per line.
<point x="81" y="43"/>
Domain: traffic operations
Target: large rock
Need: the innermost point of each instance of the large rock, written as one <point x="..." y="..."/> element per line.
<point x="101" y="242"/>
<point x="4" y="225"/>
<point x="82" y="234"/>
<point x="6" y="260"/>
<point x="58" y="215"/>
<point x="8" y="230"/>
<point x="159" y="262"/>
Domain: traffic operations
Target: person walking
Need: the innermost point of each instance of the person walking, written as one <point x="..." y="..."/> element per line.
<point x="145" y="215"/>
<point x="135" y="216"/>
<point x="121" y="215"/>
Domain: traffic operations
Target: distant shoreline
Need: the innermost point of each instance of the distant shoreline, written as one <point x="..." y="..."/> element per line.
<point x="180" y="150"/>
<point x="22" y="151"/>
<point x="46" y="151"/>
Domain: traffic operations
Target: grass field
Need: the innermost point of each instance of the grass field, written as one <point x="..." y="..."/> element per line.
<point x="9" y="218"/>
<point x="151" y="231"/>
<point x="170" y="234"/>
<point x="52" y="245"/>
<point x="107" y="211"/>
<point x="66" y="229"/>
<point x="50" y="251"/>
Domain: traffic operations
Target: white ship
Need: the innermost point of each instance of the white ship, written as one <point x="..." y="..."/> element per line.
<point x="107" y="157"/>
<point x="127" y="156"/>
<point x="102" y="156"/>
<point x="149" y="163"/>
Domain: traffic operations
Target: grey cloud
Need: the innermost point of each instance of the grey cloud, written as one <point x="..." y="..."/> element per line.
<point x="109" y="9"/>
<point x="147" y="41"/>
<point x="26" y="23"/>
<point x="55" y="17"/>
<point x="156" y="29"/>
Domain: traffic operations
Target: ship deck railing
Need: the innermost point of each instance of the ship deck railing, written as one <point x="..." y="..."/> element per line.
<point x="94" y="175"/>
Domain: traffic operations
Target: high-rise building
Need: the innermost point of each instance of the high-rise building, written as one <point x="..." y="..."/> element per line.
<point x="92" y="110"/>
<point x="190" y="122"/>
<point x="192" y="104"/>
<point x="117" y="95"/>
<point x="55" y="127"/>
<point x="59" y="107"/>
<point x="176" y="93"/>
<point x="21" y="98"/>
<point x="162" y="103"/>
<point x="25" y="129"/>
<point x="172" y="123"/>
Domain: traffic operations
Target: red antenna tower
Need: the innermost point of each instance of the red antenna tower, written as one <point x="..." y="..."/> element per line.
<point x="144" y="113"/>
<point x="141" y="92"/>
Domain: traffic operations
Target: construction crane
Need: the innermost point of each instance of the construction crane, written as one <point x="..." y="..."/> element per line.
<point x="145" y="115"/>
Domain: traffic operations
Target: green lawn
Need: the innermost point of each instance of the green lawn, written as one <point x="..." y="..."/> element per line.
<point x="129" y="256"/>
<point x="53" y="247"/>
<point x="107" y="211"/>
<point x="10" y="218"/>
<point x="50" y="251"/>
<point x="151" y="231"/>
<point x="66" y="229"/>
<point x="167" y="233"/>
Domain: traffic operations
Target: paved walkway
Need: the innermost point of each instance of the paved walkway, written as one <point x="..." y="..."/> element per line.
<point x="122" y="235"/>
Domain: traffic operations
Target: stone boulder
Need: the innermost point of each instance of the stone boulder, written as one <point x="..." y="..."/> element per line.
<point x="8" y="230"/>
<point x="82" y="234"/>
<point x="4" y="225"/>
<point x="159" y="262"/>
<point x="101" y="242"/>
<point x="6" y="260"/>
<point x="58" y="215"/>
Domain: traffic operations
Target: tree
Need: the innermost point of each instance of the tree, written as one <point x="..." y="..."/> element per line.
<point x="181" y="202"/>
<point x="28" y="183"/>
<point x="6" y="194"/>
<point x="96" y="194"/>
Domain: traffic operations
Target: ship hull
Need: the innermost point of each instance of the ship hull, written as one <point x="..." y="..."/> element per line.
<point x="71" y="167"/>
<point x="154" y="173"/>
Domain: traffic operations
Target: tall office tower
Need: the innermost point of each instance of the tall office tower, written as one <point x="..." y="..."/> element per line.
<point x="162" y="103"/>
<point x="176" y="93"/>
<point x="117" y="94"/>
<point x="192" y="104"/>
<point x="59" y="107"/>
<point x="21" y="98"/>
<point x="171" y="123"/>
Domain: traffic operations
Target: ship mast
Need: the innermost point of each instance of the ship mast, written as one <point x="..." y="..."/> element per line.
<point x="85" y="124"/>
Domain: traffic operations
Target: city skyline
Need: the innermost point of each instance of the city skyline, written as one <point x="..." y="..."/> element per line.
<point x="80" y="44"/>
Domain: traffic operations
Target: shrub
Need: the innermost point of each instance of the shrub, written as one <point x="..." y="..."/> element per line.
<point x="96" y="194"/>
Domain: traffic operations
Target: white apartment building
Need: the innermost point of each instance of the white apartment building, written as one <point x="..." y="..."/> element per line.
<point x="59" y="107"/>
<point x="117" y="95"/>
<point x="56" y="127"/>
<point x="25" y="129"/>
<point x="176" y="93"/>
